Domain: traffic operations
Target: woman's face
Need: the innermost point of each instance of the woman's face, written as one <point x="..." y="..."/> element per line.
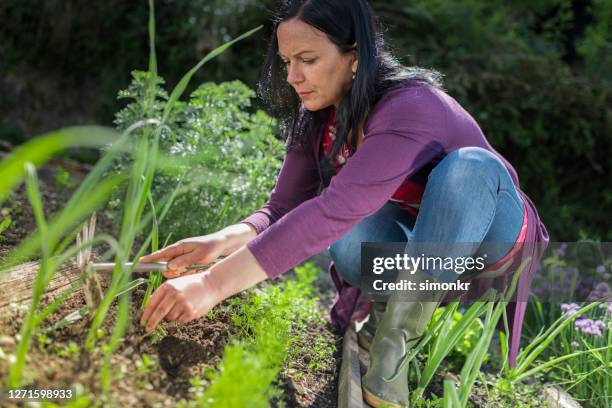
<point x="316" y="69"/>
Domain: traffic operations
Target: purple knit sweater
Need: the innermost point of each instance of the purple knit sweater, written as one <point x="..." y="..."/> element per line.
<point x="409" y="128"/>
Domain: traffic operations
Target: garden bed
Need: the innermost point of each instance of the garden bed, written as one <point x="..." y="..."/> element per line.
<point x="148" y="370"/>
<point x="179" y="366"/>
<point x="160" y="371"/>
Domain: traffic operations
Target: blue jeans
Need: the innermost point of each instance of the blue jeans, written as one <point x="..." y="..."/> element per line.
<point x="469" y="198"/>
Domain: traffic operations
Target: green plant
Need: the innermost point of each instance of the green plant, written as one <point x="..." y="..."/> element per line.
<point x="145" y="152"/>
<point x="145" y="365"/>
<point x="225" y="156"/>
<point x="82" y="312"/>
<point x="577" y="361"/>
<point x="43" y="341"/>
<point x="320" y="352"/>
<point x="468" y="338"/>
<point x="596" y="43"/>
<point x="63" y="179"/>
<point x="587" y="376"/>
<point x="52" y="238"/>
<point x="438" y="348"/>
<point x="248" y="370"/>
<point x="451" y="396"/>
<point x="6" y="221"/>
<point x="71" y="350"/>
<point x="254" y="359"/>
<point x="443" y="335"/>
<point x="47" y="238"/>
<point x="528" y="355"/>
<point x="155" y="278"/>
<point x="442" y="345"/>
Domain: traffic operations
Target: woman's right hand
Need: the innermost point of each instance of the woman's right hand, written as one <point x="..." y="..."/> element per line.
<point x="195" y="250"/>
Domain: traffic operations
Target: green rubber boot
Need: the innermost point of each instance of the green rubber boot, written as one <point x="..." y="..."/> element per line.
<point x="401" y="327"/>
<point x="366" y="334"/>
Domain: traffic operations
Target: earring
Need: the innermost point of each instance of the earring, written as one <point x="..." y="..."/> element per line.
<point x="353" y="75"/>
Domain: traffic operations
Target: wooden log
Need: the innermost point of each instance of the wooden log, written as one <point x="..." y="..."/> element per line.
<point x="16" y="284"/>
<point x="558" y="398"/>
<point x="349" y="387"/>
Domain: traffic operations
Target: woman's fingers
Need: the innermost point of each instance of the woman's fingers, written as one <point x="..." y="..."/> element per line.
<point x="183" y="300"/>
<point x="160" y="312"/>
<point x="177" y="265"/>
<point x="165" y="254"/>
<point x="175" y="313"/>
<point x="155" y="299"/>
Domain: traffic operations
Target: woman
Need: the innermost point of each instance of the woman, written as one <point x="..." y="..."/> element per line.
<point x="397" y="160"/>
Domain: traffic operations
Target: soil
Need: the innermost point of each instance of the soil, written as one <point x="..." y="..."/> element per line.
<point x="183" y="353"/>
<point x="57" y="359"/>
<point x="58" y="179"/>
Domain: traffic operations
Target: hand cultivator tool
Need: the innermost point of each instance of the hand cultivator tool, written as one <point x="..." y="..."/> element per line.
<point x="84" y="256"/>
<point x="146" y="267"/>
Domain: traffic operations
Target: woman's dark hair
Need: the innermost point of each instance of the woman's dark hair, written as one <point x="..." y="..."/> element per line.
<point x="345" y="22"/>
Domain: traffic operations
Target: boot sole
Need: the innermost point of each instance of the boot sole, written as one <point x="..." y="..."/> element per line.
<point x="375" y="401"/>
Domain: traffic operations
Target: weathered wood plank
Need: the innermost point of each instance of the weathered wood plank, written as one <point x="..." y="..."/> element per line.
<point x="558" y="398"/>
<point x="16" y="283"/>
<point x="349" y="387"/>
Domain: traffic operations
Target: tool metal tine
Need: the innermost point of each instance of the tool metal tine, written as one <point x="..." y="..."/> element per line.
<point x="89" y="232"/>
<point x="92" y="226"/>
<point x="80" y="253"/>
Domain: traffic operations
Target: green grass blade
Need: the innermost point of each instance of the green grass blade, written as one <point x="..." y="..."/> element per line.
<point x="68" y="217"/>
<point x="117" y="333"/>
<point x="541" y="343"/>
<point x="155" y="232"/>
<point x="503" y="339"/>
<point x="43" y="276"/>
<point x="71" y="252"/>
<point x="71" y="137"/>
<point x="182" y="85"/>
<point x="449" y="311"/>
<point x="155" y="278"/>
<point x="152" y="53"/>
<point x="470" y="370"/>
<point x="451" y="398"/>
<point x="449" y="340"/>
<point x="131" y="286"/>
<point x="134" y="204"/>
<point x="583" y="376"/>
<point x="473" y="363"/>
<point x="40" y="149"/>
<point x="556" y="361"/>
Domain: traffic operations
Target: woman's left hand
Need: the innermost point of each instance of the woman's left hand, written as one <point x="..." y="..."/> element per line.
<point x="182" y="299"/>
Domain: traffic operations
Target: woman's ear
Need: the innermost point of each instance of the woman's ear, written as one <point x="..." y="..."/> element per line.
<point x="354" y="58"/>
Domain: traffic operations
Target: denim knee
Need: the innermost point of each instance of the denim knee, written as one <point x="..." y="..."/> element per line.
<point x="466" y="163"/>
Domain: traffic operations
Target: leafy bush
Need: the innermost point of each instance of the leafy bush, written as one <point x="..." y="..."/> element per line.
<point x="59" y="43"/>
<point x="508" y="64"/>
<point x="535" y="74"/>
<point x="225" y="157"/>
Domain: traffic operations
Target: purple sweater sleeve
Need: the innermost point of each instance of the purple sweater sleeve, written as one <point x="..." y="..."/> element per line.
<point x="297" y="182"/>
<point x="403" y="133"/>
